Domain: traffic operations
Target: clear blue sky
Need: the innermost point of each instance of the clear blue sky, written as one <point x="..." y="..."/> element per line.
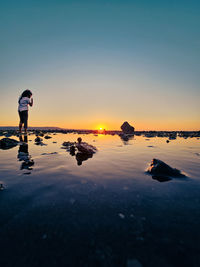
<point x="92" y="63"/>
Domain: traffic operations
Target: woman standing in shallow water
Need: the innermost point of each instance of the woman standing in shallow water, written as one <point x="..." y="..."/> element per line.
<point x="24" y="100"/>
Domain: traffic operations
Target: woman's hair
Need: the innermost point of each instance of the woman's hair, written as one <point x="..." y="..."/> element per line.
<point x="26" y="93"/>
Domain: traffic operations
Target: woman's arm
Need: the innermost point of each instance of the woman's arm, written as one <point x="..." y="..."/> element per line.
<point x="31" y="102"/>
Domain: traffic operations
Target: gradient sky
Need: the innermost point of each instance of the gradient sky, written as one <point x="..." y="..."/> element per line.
<point x="99" y="63"/>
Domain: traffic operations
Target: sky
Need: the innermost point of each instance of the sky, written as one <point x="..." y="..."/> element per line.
<point x="98" y="63"/>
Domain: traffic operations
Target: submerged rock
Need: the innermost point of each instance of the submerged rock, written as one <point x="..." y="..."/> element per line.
<point x="38" y="141"/>
<point x="158" y="168"/>
<point x="7" y="143"/>
<point x="127" y="128"/>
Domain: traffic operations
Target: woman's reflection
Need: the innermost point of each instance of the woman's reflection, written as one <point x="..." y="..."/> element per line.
<point x="24" y="156"/>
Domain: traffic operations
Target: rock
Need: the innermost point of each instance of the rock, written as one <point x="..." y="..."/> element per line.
<point x="47" y="137"/>
<point x="7" y="143"/>
<point x="121" y="215"/>
<point x="85" y="148"/>
<point x="127" y="128"/>
<point x="38" y="139"/>
<point x="167" y="141"/>
<point x="161" y="169"/>
<point x="41" y="134"/>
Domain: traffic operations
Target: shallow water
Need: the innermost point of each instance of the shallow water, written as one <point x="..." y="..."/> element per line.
<point x="103" y="211"/>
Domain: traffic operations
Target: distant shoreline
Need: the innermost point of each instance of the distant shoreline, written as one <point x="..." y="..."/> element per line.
<point x="88" y="131"/>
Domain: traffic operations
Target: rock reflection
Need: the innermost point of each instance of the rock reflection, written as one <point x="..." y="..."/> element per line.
<point x="126" y="137"/>
<point x="80" y="157"/>
<point x="23" y="155"/>
<point x="161" y="178"/>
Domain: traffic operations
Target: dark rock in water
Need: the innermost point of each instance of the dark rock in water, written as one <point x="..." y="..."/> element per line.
<point x="127" y="128"/>
<point x="41" y="134"/>
<point x="85" y="148"/>
<point x="38" y="139"/>
<point x="160" y="169"/>
<point x="7" y="143"/>
<point x="47" y="137"/>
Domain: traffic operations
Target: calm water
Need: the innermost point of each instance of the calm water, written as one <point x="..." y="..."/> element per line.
<point x="103" y="211"/>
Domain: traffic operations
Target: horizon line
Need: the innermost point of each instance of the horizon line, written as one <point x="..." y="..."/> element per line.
<point x="74" y="129"/>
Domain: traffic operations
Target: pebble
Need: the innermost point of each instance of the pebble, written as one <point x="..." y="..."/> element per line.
<point x="121" y="215"/>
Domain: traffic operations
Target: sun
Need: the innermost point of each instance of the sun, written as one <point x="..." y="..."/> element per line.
<point x="101" y="129"/>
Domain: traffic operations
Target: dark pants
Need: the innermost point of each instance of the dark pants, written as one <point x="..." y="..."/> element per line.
<point x="23" y="115"/>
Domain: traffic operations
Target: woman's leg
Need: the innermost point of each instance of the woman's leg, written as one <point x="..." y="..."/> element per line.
<point x="25" y="120"/>
<point x="20" y="127"/>
<point x="20" y="122"/>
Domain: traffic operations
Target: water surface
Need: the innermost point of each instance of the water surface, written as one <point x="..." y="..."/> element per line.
<point x="102" y="211"/>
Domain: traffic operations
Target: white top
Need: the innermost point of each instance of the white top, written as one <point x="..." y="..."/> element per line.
<point x="23" y="103"/>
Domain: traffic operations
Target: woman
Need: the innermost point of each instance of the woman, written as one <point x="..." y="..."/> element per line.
<point x="24" y="100"/>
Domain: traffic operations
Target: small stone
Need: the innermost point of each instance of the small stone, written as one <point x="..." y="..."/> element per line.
<point x="121" y="215"/>
<point x="47" y="137"/>
<point x="38" y="139"/>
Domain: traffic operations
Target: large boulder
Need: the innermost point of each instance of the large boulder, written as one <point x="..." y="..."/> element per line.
<point x="7" y="143"/>
<point x="127" y="128"/>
